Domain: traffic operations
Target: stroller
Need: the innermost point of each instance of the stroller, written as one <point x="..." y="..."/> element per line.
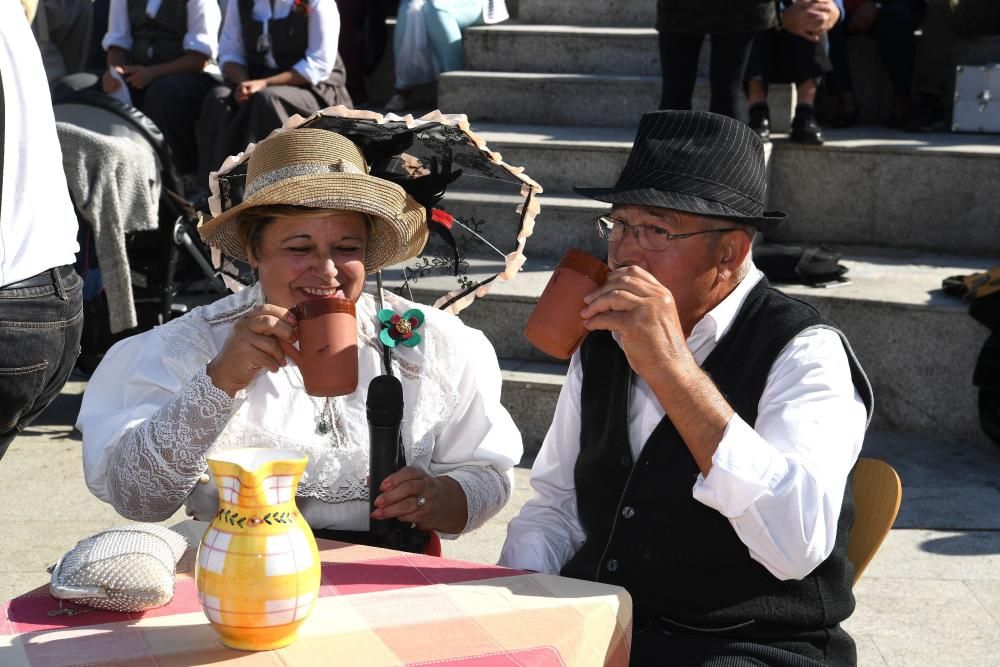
<point x="141" y="258"/>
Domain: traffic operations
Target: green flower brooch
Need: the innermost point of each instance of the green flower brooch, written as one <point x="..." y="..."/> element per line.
<point x="400" y="329"/>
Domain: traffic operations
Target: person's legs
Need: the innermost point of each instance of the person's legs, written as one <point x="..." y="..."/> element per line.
<point x="893" y="33"/>
<point x="216" y="114"/>
<point x="268" y="109"/>
<point x="351" y="46"/>
<point x="173" y="102"/>
<point x="679" y="65"/>
<point x="755" y="79"/>
<point x="727" y="67"/>
<point x="39" y="343"/>
<point x="838" y="81"/>
<point x="446" y="19"/>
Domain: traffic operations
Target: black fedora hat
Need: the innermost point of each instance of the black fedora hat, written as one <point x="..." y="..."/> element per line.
<point x="696" y="162"/>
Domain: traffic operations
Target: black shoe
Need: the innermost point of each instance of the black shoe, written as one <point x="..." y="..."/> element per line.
<point x="845" y="118"/>
<point x="927" y="116"/>
<point x="760" y="120"/>
<point x="805" y="129"/>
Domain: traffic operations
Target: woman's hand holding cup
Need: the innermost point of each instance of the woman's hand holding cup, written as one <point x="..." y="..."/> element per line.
<point x="252" y="345"/>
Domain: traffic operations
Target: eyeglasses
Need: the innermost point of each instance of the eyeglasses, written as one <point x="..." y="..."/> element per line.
<point x="648" y="237"/>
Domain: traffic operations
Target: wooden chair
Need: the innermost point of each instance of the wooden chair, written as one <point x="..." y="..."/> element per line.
<point x="877" y="493"/>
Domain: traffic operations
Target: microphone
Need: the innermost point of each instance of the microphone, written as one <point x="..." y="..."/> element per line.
<point x="385" y="413"/>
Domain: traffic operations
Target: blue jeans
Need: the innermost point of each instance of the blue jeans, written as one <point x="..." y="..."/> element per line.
<point x="41" y="319"/>
<point x="446" y="19"/>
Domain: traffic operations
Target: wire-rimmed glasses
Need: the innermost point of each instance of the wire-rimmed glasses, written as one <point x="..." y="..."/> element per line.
<point x="648" y="237"/>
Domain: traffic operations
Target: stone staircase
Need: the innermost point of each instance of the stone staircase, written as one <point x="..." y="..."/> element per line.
<point x="560" y="89"/>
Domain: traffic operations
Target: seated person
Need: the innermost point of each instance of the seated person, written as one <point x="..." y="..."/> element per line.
<point x="63" y="30"/>
<point x="444" y="22"/>
<point x="796" y="53"/>
<point x="891" y="23"/>
<point x="279" y="59"/>
<point x="160" y="49"/>
<point x="701" y="448"/>
<point x="215" y="378"/>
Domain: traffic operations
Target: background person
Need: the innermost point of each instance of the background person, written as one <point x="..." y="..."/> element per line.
<point x="682" y="26"/>
<point x="797" y="53"/>
<point x="443" y="21"/>
<point x="279" y="59"/>
<point x="159" y="48"/>
<point x="41" y="308"/>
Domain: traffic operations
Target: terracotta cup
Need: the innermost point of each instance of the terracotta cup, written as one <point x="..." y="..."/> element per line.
<point x="555" y="326"/>
<point x="328" y="346"/>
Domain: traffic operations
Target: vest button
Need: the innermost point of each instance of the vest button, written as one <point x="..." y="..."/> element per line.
<point x="612" y="565"/>
<point x="628" y="512"/>
<point x="626" y="461"/>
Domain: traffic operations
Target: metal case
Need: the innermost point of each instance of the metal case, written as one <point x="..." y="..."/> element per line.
<point x="977" y="98"/>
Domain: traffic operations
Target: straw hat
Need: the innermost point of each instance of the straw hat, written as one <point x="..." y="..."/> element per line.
<point x="322" y="169"/>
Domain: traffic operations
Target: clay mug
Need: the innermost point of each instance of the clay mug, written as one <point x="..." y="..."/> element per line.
<point x="327" y="355"/>
<point x="555" y="326"/>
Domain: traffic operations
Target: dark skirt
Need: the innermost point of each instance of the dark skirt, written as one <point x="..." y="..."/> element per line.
<point x="715" y="16"/>
<point x="226" y="127"/>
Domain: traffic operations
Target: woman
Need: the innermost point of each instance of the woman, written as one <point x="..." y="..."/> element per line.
<point x="215" y="378"/>
<point x="443" y="21"/>
<point x="279" y="58"/>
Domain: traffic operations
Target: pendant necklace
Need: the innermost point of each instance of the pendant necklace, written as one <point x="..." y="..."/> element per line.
<point x="327" y="422"/>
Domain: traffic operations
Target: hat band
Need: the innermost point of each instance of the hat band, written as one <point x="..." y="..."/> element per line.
<point x="269" y="178"/>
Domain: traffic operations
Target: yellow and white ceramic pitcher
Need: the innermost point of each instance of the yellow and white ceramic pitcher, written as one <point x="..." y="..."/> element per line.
<point x="258" y="568"/>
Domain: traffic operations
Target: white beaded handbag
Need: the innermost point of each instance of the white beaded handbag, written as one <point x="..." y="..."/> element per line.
<point x="127" y="568"/>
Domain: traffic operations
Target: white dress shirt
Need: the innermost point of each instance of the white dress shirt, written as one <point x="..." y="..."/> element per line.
<point x="150" y="416"/>
<point x="780" y="482"/>
<point x="37" y="224"/>
<point x="323" y="40"/>
<point x="203" y="20"/>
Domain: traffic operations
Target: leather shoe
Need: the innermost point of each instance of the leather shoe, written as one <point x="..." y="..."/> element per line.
<point x="760" y="120"/>
<point x="805" y="129"/>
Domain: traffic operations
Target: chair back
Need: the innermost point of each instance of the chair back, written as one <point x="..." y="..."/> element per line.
<point x="877" y="494"/>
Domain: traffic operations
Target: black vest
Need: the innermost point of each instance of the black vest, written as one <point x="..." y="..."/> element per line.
<point x="157" y="39"/>
<point x="680" y="560"/>
<point x="289" y="39"/>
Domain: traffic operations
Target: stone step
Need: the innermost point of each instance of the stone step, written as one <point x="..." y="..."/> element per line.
<point x="918" y="346"/>
<point x="589" y="12"/>
<point x="573" y="99"/>
<point x="873" y="186"/>
<point x="562" y="49"/>
<point x="865" y="186"/>
<point x="530" y="392"/>
<point x="565" y="221"/>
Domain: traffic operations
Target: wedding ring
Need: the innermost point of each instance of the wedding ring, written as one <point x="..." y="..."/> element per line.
<point x="421" y="501"/>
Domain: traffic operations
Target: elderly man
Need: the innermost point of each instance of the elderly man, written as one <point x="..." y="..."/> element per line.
<point x="702" y="445"/>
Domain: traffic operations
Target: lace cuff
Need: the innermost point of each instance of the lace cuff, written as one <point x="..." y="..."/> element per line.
<point x="158" y="462"/>
<point x="486" y="492"/>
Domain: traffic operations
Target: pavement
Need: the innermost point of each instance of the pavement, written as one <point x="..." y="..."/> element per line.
<point x="931" y="597"/>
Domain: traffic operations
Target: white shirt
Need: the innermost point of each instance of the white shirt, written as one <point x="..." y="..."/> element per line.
<point x="150" y="416"/>
<point x="203" y="20"/>
<point x="37" y="224"/>
<point x="780" y="482"/>
<point x="323" y="40"/>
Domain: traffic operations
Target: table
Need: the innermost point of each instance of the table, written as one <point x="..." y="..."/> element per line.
<point x="376" y="608"/>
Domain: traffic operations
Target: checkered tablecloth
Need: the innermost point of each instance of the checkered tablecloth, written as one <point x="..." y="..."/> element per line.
<point x="376" y="608"/>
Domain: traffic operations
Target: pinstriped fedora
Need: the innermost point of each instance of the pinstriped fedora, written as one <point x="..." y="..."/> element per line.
<point x="696" y="162"/>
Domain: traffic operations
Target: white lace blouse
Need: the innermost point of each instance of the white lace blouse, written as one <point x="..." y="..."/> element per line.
<point x="151" y="415"/>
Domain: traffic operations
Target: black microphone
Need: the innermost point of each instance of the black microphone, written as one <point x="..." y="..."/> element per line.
<point x="385" y="413"/>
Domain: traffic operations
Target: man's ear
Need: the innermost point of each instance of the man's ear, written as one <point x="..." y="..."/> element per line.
<point x="733" y="250"/>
